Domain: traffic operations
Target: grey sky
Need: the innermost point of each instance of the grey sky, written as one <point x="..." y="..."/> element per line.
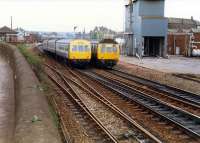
<point x="62" y="15"/>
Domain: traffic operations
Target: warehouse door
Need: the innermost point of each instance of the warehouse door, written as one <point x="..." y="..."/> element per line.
<point x="153" y="46"/>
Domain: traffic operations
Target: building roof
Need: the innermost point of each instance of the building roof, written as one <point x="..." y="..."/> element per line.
<point x="183" y="21"/>
<point x="192" y="30"/>
<point x="108" y="41"/>
<point x="6" y="30"/>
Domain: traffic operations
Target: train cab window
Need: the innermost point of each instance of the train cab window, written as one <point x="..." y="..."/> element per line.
<point x="87" y="48"/>
<point x="74" y="48"/>
<point x="109" y="49"/>
<point x="80" y="48"/>
<point x="103" y="49"/>
<point x="115" y="48"/>
<point x="83" y="49"/>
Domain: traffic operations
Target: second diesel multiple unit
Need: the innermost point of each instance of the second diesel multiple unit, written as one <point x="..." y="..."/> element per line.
<point x="80" y="52"/>
<point x="76" y="51"/>
<point x="105" y="53"/>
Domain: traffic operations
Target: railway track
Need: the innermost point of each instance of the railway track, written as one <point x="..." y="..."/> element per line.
<point x="166" y="89"/>
<point x="95" y="129"/>
<point x="81" y="94"/>
<point x="188" y="77"/>
<point x="186" y="122"/>
<point x="173" y="100"/>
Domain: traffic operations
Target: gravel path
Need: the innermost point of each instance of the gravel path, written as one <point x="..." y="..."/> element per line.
<point x="6" y="103"/>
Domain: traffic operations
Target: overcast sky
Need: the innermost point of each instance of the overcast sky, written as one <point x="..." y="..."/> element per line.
<point x="63" y="15"/>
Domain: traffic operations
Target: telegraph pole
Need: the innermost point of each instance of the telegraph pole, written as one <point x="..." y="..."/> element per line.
<point x="11" y="23"/>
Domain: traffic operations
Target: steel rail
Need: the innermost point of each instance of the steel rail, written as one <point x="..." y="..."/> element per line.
<point x="78" y="101"/>
<point x="103" y="100"/>
<point x="64" y="132"/>
<point x="188" y="77"/>
<point x="98" y="96"/>
<point x="122" y="90"/>
<point x="171" y="91"/>
<point x="141" y="89"/>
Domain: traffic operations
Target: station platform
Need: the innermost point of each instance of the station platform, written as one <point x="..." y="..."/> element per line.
<point x="174" y="64"/>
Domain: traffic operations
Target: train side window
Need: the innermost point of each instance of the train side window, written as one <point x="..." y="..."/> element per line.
<point x="66" y="47"/>
<point x="61" y="48"/>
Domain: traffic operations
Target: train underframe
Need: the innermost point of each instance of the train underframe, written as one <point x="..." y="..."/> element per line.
<point x="105" y="63"/>
<point x="80" y="63"/>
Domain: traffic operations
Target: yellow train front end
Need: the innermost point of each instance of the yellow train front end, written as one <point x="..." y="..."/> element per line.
<point x="108" y="54"/>
<point x="80" y="52"/>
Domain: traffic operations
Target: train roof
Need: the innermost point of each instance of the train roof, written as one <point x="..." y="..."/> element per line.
<point x="108" y="41"/>
<point x="65" y="41"/>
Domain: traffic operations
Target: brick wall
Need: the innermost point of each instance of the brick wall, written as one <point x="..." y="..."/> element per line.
<point x="181" y="41"/>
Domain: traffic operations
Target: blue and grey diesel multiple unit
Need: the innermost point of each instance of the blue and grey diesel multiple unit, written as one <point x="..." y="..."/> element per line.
<point x="146" y="28"/>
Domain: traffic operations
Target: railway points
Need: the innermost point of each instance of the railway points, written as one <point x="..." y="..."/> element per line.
<point x="139" y="132"/>
<point x="181" y="124"/>
<point x="179" y="117"/>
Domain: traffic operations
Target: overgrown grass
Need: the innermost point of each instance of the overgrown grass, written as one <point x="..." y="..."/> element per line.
<point x="36" y="63"/>
<point x="34" y="60"/>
